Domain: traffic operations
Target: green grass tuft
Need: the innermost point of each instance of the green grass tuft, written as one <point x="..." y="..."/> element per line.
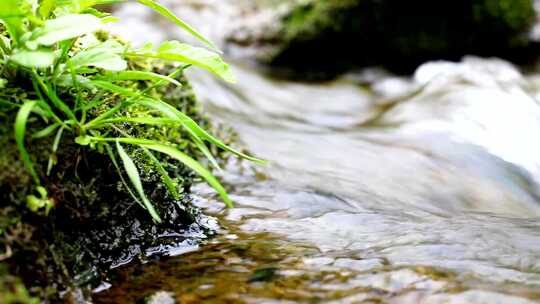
<point x="83" y="86"/>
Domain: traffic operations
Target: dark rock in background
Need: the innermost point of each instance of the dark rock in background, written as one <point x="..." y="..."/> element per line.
<point x="325" y="37"/>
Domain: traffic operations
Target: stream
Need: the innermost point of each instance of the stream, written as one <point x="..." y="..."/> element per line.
<point x="380" y="188"/>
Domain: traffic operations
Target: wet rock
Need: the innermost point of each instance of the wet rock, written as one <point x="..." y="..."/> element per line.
<point x="325" y="37"/>
<point x="95" y="224"/>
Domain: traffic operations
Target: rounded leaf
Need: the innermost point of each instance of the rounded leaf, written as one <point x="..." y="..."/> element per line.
<point x="66" y="27"/>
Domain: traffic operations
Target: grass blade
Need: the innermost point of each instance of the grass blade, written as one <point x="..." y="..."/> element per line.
<point x="139" y="75"/>
<point x="105" y="85"/>
<point x="8" y="103"/>
<point x="115" y="163"/>
<point x="46" y="131"/>
<point x="20" y="129"/>
<point x="174" y="153"/>
<point x="165" y="12"/>
<point x="195" y="166"/>
<point x="167" y="180"/>
<point x="56" y="142"/>
<point x="190" y="124"/>
<point x="171" y="112"/>
<point x="53" y="97"/>
<point x="107" y="114"/>
<point x="155" y="121"/>
<point x="158" y="121"/>
<point x="135" y="179"/>
<point x="206" y="152"/>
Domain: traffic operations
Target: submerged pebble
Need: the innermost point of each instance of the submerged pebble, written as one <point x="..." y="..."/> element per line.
<point x="161" y="297"/>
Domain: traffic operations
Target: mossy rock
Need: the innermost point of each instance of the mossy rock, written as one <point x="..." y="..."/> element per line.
<point x="333" y="35"/>
<point x="95" y="223"/>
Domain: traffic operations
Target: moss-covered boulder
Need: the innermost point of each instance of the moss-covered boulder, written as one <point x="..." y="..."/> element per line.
<point x="332" y="35"/>
<point x="95" y="223"/>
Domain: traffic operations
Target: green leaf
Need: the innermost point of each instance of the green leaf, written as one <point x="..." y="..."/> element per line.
<point x="64" y="28"/>
<point x="48" y="131"/>
<point x="46" y="7"/>
<point x="206" y="152"/>
<point x="135" y="179"/>
<point x="156" y="121"/>
<point x="139" y="75"/>
<point x="181" y="52"/>
<point x="67" y="81"/>
<point x="189" y="125"/>
<point x="12" y="15"/>
<point x="56" y="143"/>
<point x="35" y="203"/>
<point x="104" y="55"/>
<point x="104" y="60"/>
<point x="20" y="129"/>
<point x="33" y="59"/>
<point x="83" y="140"/>
<point x="76" y="6"/>
<point x="115" y="163"/>
<point x="169" y="15"/>
<point x="53" y="96"/>
<point x="7" y="103"/>
<point x="109" y="46"/>
<point x="105" y="19"/>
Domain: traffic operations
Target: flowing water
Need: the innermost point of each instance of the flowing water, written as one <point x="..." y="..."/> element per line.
<point x="380" y="189"/>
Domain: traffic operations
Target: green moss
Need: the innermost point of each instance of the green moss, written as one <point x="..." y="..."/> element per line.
<point x="12" y="290"/>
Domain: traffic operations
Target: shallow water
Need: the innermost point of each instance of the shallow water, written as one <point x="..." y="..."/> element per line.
<point x="421" y="189"/>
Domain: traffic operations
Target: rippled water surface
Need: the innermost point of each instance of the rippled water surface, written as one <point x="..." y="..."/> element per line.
<point x="390" y="189"/>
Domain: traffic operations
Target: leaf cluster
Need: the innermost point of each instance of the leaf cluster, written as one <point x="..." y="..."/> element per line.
<point x="56" y="46"/>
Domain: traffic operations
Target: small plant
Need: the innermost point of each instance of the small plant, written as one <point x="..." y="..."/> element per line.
<point x="56" y="46"/>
